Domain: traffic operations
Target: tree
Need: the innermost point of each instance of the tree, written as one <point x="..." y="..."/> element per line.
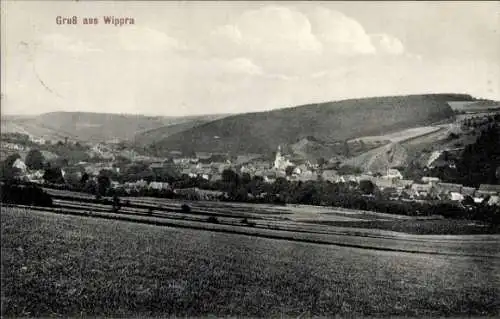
<point x="230" y="177"/>
<point x="366" y="187"/>
<point x="7" y="171"/>
<point x="84" y="179"/>
<point x="103" y="183"/>
<point x="346" y="150"/>
<point x="245" y="178"/>
<point x="116" y="203"/>
<point x="321" y="161"/>
<point x="53" y="175"/>
<point x="289" y="170"/>
<point x="35" y="159"/>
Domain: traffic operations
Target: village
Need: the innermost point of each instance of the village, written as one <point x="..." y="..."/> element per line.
<point x="131" y="172"/>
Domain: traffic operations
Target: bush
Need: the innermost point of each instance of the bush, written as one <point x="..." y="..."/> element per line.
<point x="212" y="219"/>
<point x="24" y="195"/>
<point x="185" y="208"/>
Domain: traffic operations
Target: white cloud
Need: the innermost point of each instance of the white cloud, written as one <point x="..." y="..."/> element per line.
<point x="271" y="30"/>
<point x="386" y="43"/>
<point x="339" y="33"/>
<point x="288" y="43"/>
<point x="276" y="31"/>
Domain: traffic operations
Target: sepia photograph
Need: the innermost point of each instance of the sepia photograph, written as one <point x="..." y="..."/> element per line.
<point x="250" y="159"/>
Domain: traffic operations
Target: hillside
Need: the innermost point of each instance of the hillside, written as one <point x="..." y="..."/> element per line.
<point x="381" y="159"/>
<point x="94" y="127"/>
<point x="157" y="134"/>
<point x="262" y="132"/>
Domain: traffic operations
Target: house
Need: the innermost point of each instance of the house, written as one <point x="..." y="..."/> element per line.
<point x="115" y="185"/>
<point x="181" y="160"/>
<point x="430" y="180"/>
<point x="244" y="159"/>
<point x="478" y="200"/>
<point x="159" y="185"/>
<point x="494" y="200"/>
<point x="203" y="155"/>
<point x="307" y="176"/>
<point x="156" y="165"/>
<point x="468" y="191"/>
<point x="300" y="169"/>
<point x="329" y="175"/>
<point x="12" y="146"/>
<point x="421" y="189"/>
<point x="403" y="183"/>
<point x="393" y="173"/>
<point x="351" y="178"/>
<point x="447" y="188"/>
<point x="383" y="183"/>
<point x="175" y="154"/>
<point x="456" y="196"/>
<point x="246" y="169"/>
<point x="269" y="176"/>
<point x="488" y="189"/>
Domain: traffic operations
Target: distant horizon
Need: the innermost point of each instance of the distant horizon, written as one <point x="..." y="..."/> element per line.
<point x="477" y="98"/>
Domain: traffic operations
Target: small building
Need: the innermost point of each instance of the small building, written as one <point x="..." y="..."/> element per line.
<point x="393" y="173"/>
<point x="468" y="191"/>
<point x="430" y="180"/>
<point x="383" y="183"/>
<point x="489" y="189"/>
<point x="330" y="175"/>
<point x="404" y="183"/>
<point x="307" y="176"/>
<point x="421" y="189"/>
<point x="216" y="177"/>
<point x="494" y="200"/>
<point x="158" y="185"/>
<point x="269" y="176"/>
<point x="447" y="188"/>
<point x="454" y="196"/>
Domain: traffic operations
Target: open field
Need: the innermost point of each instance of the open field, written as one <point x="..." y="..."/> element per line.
<point x="474" y="106"/>
<point x="400" y="136"/>
<point x="67" y="265"/>
<point x="280" y="216"/>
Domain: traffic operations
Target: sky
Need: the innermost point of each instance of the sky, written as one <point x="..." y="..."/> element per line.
<point x="187" y="58"/>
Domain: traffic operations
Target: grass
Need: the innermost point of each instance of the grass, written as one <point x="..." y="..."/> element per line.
<point x="71" y="266"/>
<point x="419" y="227"/>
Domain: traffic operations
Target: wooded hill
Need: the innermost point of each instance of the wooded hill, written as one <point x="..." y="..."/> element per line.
<point x="331" y="121"/>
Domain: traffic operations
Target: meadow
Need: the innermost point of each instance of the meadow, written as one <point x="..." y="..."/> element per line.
<point x="57" y="265"/>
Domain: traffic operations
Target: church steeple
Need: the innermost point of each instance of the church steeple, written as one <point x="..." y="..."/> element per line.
<point x="278" y="159"/>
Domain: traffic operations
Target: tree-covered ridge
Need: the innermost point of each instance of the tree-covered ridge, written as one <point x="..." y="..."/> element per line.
<point x="479" y="163"/>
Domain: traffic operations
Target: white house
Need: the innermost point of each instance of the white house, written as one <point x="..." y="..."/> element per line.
<point x="456" y="196"/>
<point x="393" y="173"/>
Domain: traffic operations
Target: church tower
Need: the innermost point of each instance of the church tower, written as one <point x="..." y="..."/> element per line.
<point x="278" y="160"/>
